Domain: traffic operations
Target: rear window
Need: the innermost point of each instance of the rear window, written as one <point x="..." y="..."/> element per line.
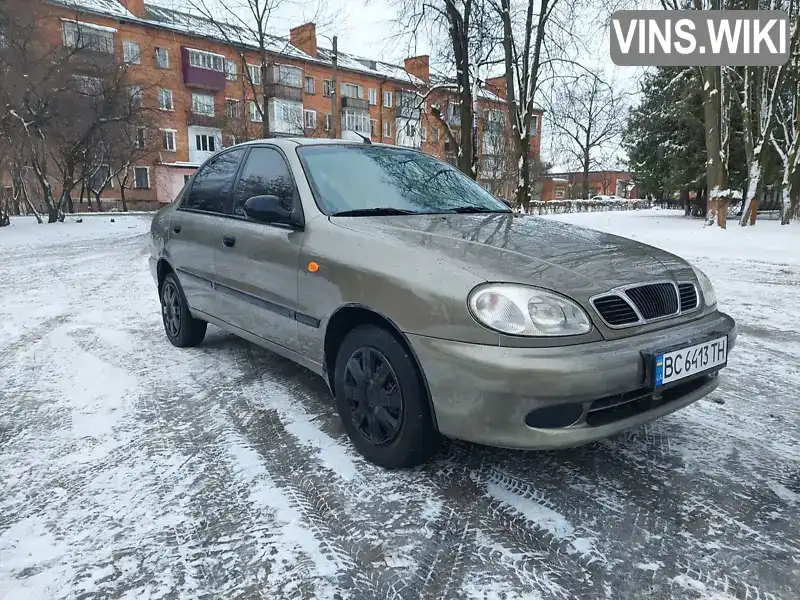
<point x="358" y="177"/>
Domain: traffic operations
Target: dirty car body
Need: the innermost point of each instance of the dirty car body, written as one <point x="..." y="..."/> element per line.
<point x="522" y="332"/>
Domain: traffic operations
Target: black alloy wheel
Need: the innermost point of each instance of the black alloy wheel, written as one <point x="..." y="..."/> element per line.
<point x="373" y="396"/>
<point x="171" y="308"/>
<point x="382" y="399"/>
<point x="182" y="329"/>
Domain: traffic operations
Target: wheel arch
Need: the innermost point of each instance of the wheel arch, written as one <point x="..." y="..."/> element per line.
<point x="349" y="316"/>
<point x="163" y="267"/>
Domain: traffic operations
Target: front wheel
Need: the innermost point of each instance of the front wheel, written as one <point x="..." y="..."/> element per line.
<point x="382" y="400"/>
<point x="181" y="328"/>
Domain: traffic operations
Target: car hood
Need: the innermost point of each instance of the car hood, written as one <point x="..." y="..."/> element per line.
<point x="513" y="248"/>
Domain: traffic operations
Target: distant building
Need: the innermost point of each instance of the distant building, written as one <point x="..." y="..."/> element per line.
<point x="569" y="185"/>
<point x="194" y="82"/>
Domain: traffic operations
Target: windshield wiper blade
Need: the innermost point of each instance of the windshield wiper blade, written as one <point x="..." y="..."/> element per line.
<point x="476" y="209"/>
<point x="373" y="212"/>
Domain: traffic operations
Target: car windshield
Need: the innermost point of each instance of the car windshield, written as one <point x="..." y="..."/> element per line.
<point x="362" y="180"/>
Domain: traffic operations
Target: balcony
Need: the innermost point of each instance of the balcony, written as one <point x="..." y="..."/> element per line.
<point x="284" y="92"/>
<point x="193" y="118"/>
<point x="355" y="103"/>
<point x="199" y="77"/>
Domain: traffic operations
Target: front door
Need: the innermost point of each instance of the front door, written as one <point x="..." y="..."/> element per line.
<point x="195" y="229"/>
<point x="257" y="262"/>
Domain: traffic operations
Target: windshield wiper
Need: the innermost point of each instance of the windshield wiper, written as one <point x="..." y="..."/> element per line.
<point x="373" y="212"/>
<point x="476" y="209"/>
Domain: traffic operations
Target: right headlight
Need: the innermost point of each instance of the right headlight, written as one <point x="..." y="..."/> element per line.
<point x="529" y="311"/>
<point x="709" y="295"/>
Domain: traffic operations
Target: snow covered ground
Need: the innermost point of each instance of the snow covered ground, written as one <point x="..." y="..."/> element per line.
<point x="132" y="469"/>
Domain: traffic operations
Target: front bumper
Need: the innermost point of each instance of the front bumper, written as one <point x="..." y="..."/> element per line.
<point x="484" y="393"/>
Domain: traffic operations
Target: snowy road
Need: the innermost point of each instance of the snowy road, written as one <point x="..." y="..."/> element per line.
<point x="132" y="469"/>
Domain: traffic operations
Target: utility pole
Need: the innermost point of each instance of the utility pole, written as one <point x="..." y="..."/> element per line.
<point x="334" y="113"/>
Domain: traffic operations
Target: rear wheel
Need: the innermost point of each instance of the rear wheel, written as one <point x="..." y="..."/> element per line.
<point x="181" y="328"/>
<point x="382" y="400"/>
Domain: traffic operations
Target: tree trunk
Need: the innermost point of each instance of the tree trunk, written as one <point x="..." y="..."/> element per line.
<point x="716" y="174"/>
<point x="786" y="202"/>
<point x="687" y="205"/>
<point x="585" y="177"/>
<point x="97" y="201"/>
<point x="122" y="198"/>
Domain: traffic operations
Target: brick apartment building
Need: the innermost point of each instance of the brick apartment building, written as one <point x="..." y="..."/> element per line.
<point x="565" y="185"/>
<point x="185" y="71"/>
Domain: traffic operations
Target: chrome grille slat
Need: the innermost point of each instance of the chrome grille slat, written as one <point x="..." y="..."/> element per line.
<point x="689" y="297"/>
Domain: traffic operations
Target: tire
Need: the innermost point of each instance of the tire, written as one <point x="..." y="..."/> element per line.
<point x="386" y="414"/>
<point x="182" y="329"/>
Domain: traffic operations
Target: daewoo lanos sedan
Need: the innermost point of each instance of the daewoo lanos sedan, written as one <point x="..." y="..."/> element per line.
<point x="427" y="305"/>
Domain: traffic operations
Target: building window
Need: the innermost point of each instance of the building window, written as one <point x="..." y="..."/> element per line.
<point x="310" y="85"/>
<point x="205" y="143"/>
<point x="135" y="92"/>
<point x="328" y="124"/>
<point x="310" y="119"/>
<point x="141" y="178"/>
<point x="230" y="70"/>
<point x="533" y="126"/>
<point x="290" y="113"/>
<point x="131" y="53"/>
<point x="255" y="74"/>
<point x="356" y="121"/>
<point x="202" y="104"/>
<point x="88" y="37"/>
<point x="327" y="88"/>
<point x="387" y="99"/>
<point x="373" y="96"/>
<point x="435" y="132"/>
<point x="206" y="60"/>
<point x="287" y="75"/>
<point x="373" y="127"/>
<point x="351" y="90"/>
<point x="423" y="132"/>
<point x="169" y="140"/>
<point x="165" y="100"/>
<point x="233" y="109"/>
<point x="255" y="114"/>
<point x="387" y="129"/>
<point x="140" y="141"/>
<point x="231" y="140"/>
<point x="162" y="58"/>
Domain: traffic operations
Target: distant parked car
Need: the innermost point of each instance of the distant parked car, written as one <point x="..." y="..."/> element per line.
<point x="427" y="305"/>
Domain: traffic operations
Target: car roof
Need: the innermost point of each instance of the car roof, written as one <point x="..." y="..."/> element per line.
<point x="291" y="142"/>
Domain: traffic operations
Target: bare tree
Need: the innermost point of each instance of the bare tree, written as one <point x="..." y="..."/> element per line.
<point x="590" y="115"/>
<point x="463" y="32"/>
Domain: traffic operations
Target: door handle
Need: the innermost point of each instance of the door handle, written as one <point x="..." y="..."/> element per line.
<point x="177" y="229"/>
<point x="229" y="240"/>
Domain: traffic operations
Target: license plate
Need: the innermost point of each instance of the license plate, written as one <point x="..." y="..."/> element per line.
<point x="679" y="364"/>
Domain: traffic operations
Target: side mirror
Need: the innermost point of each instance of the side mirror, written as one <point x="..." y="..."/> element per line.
<point x="268" y="209"/>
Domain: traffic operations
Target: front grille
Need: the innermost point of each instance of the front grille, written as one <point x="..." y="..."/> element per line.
<point x="655" y="300"/>
<point x="688" y="294"/>
<point x="615" y="310"/>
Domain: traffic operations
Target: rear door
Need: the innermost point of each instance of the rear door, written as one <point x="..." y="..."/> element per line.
<point x="257" y="262"/>
<point x="195" y="229"/>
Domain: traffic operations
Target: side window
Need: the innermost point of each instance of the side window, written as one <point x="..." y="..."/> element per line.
<point x="265" y="173"/>
<point x="212" y="185"/>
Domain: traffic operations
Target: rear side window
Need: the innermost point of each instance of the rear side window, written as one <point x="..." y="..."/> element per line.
<point x="264" y="174"/>
<point x="211" y="189"/>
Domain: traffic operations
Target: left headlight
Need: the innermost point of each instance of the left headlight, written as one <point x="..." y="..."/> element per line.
<point x="709" y="295"/>
<point x="522" y="310"/>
